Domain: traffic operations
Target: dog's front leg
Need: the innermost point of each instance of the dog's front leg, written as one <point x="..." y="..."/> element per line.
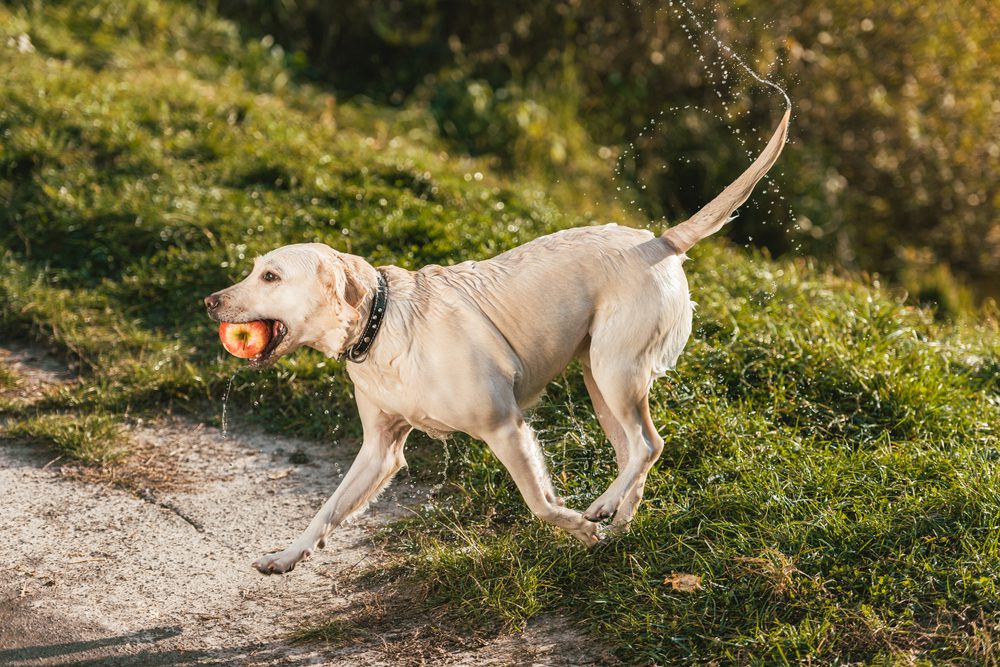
<point x="380" y="458"/>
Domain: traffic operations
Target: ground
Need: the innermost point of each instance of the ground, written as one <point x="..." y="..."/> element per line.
<point x="149" y="562"/>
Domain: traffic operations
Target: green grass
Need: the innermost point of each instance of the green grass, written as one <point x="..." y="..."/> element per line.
<point x="88" y="438"/>
<point x="149" y="153"/>
<point x="830" y="471"/>
<point x="8" y="378"/>
<point x="831" y="460"/>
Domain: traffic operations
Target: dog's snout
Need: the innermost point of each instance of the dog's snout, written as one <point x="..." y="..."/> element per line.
<point x="213" y="301"/>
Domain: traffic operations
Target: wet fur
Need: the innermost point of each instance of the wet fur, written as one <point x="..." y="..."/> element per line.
<point x="469" y="347"/>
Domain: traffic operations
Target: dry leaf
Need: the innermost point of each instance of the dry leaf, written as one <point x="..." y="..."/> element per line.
<point x="683" y="582"/>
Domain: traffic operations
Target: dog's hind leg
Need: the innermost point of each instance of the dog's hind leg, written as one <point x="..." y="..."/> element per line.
<point x="612" y="429"/>
<point x="622" y="388"/>
<point x="633" y="497"/>
<point x="616" y="435"/>
<point x="380" y="458"/>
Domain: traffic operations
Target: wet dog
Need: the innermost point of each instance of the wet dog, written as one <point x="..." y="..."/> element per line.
<point x="469" y="347"/>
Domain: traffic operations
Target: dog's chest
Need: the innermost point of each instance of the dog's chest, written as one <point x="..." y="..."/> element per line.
<point x="395" y="394"/>
<point x="384" y="385"/>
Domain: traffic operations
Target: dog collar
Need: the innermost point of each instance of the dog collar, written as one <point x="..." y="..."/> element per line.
<point x="359" y="351"/>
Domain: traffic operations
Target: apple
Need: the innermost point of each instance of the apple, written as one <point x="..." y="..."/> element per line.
<point x="245" y="339"/>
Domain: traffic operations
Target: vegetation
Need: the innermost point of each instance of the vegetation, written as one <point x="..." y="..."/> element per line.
<point x="830" y="477"/>
<point x="91" y="438"/>
<point x="894" y="152"/>
<point x="8" y="379"/>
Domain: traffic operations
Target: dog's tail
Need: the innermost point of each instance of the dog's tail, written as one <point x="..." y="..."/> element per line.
<point x="717" y="212"/>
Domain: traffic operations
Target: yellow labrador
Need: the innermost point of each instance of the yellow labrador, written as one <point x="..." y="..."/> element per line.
<point x="469" y="347"/>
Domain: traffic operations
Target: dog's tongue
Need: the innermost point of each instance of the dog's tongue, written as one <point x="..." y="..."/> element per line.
<point x="246" y="339"/>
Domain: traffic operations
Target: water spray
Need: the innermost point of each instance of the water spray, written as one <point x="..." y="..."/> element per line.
<point x="732" y="54"/>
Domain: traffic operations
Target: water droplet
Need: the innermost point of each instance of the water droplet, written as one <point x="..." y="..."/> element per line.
<point x="225" y="403"/>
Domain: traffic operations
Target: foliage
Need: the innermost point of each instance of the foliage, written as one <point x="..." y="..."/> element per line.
<point x="895" y="147"/>
<point x="831" y="462"/>
<point x="8" y="378"/>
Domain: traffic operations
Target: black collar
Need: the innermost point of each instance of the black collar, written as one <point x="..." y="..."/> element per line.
<point x="359" y="351"/>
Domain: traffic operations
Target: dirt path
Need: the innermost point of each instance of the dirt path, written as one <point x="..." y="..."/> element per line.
<point x="97" y="573"/>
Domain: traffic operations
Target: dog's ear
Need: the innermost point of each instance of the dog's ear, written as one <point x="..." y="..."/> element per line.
<point x="343" y="291"/>
<point x="354" y="290"/>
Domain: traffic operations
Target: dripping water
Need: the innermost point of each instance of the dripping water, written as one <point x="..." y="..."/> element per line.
<point x="225" y="403"/>
<point x="434" y="490"/>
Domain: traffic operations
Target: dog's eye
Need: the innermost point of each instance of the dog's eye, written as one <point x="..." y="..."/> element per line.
<point x="269" y="277"/>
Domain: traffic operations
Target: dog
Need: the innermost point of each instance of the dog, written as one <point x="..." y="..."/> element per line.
<point x="469" y="347"/>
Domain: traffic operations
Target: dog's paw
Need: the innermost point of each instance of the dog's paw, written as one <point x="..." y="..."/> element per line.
<point x="281" y="562"/>
<point x="623" y="517"/>
<point x="587" y="533"/>
<point x="601" y="510"/>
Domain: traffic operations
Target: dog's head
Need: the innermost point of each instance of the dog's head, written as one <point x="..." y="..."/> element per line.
<point x="307" y="293"/>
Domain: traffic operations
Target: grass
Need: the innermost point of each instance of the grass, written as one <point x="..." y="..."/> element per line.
<point x="175" y="169"/>
<point x="830" y="473"/>
<point x="831" y="462"/>
<point x="89" y="438"/>
<point x="8" y="378"/>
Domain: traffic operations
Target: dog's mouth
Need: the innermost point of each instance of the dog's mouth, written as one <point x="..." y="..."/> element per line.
<point x="271" y="352"/>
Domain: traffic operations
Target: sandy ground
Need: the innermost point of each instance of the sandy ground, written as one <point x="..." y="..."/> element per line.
<point x="98" y="569"/>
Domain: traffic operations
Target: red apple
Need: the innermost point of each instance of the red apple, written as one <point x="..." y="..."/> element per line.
<point x="245" y="339"/>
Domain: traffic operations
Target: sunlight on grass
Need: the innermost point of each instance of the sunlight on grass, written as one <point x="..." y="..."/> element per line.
<point x="832" y="462"/>
<point x="830" y="472"/>
<point x="8" y="378"/>
<point x="93" y="438"/>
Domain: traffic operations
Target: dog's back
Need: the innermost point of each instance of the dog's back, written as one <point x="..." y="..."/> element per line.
<point x="548" y="297"/>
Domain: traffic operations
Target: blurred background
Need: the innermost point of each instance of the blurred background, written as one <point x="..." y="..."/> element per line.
<point x="896" y="129"/>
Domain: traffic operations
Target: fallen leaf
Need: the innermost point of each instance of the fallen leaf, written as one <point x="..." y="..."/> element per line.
<point x="683" y="582"/>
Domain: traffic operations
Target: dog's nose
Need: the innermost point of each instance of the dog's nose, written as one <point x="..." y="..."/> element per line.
<point x="213" y="301"/>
